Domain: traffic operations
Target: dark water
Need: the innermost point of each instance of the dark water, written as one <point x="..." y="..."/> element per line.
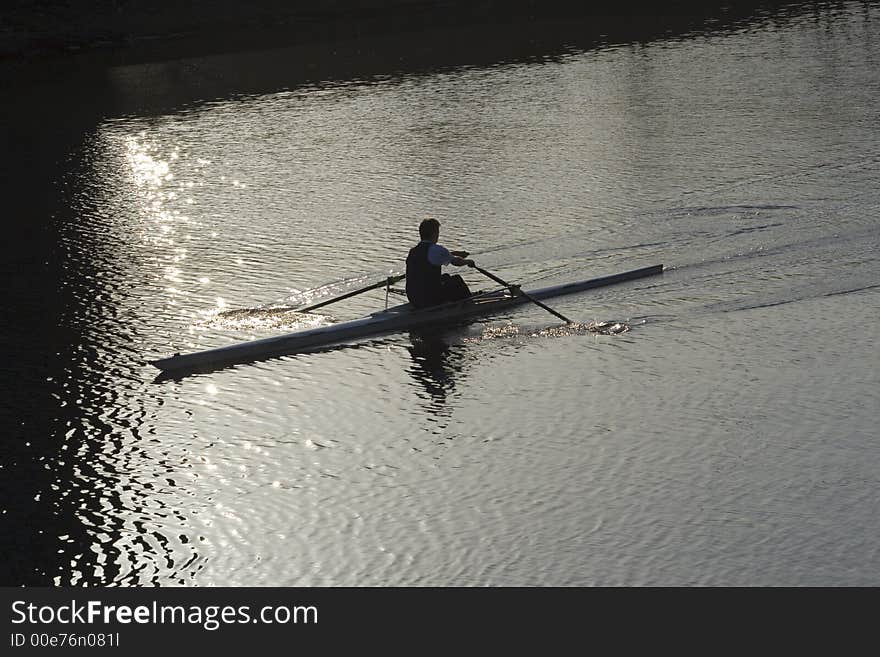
<point x="728" y="438"/>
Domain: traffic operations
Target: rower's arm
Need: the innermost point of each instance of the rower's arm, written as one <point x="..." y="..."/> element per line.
<point x="459" y="259"/>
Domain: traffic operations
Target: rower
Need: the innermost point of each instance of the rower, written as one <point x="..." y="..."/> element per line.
<point x="425" y="284"/>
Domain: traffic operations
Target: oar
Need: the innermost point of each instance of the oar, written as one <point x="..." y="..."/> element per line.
<point x="388" y="281"/>
<point x="527" y="296"/>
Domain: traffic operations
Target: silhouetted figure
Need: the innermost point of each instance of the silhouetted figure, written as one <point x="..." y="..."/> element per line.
<point x="425" y="284"/>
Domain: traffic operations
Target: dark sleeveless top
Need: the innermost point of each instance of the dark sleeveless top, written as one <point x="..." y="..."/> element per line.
<point x="422" y="278"/>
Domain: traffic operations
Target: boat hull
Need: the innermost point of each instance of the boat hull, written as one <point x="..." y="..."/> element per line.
<point x="393" y="320"/>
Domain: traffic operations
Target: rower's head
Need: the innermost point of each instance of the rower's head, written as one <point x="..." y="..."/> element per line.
<point x="429" y="230"/>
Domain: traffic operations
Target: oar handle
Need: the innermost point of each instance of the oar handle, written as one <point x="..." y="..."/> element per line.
<point x="526" y="295"/>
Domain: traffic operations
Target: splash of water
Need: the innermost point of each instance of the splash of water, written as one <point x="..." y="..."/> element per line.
<point x="511" y="330"/>
<point x="263" y="319"/>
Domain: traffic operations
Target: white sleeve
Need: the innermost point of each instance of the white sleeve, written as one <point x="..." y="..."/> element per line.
<point x="438" y="255"/>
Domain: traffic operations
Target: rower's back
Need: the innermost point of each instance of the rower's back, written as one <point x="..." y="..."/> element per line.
<point x="422" y="278"/>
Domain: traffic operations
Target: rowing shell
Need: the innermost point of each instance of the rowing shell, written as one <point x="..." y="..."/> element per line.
<point x="392" y="320"/>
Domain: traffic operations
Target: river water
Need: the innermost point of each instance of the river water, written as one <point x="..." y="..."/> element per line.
<point x="728" y="438"/>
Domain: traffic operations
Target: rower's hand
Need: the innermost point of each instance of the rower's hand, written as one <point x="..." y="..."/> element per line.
<point x="469" y="263"/>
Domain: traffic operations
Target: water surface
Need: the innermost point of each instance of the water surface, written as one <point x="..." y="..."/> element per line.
<point x="728" y="438"/>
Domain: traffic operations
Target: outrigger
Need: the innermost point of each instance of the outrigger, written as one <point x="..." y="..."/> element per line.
<point x="391" y="320"/>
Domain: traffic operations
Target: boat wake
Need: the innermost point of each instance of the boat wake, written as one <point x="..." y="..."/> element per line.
<point x="511" y="330"/>
<point x="609" y="328"/>
<point x="600" y="328"/>
<point x="260" y="319"/>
